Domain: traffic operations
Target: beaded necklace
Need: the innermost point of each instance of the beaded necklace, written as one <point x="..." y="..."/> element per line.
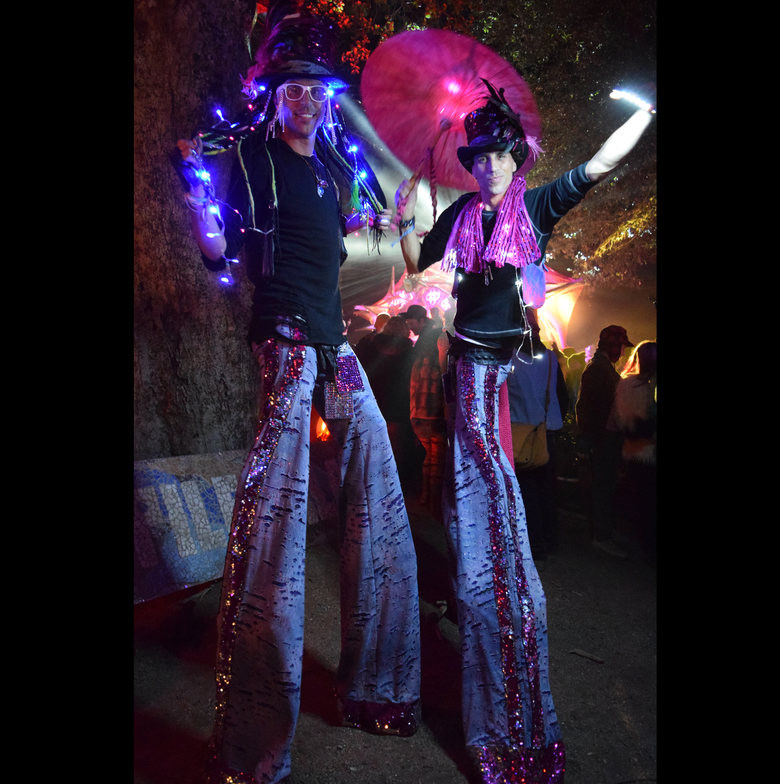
<point x="321" y="182"/>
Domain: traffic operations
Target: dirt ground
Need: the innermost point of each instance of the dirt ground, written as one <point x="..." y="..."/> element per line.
<point x="602" y="639"/>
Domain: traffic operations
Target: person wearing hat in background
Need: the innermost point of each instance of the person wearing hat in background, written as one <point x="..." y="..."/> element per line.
<point x="426" y="405"/>
<point x="600" y="445"/>
<point x="292" y="231"/>
<point x="495" y="240"/>
<point x="417" y="318"/>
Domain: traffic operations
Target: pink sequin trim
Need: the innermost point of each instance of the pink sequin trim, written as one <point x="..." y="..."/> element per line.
<point x="512" y="242"/>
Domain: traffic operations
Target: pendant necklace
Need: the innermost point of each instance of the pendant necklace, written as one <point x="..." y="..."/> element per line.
<point x="322" y="183"/>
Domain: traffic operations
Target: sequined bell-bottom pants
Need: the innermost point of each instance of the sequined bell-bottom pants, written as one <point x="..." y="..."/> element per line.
<point x="509" y="719"/>
<point x="261" y="620"/>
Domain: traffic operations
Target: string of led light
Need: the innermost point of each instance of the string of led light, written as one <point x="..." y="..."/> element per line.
<point x="632" y="98"/>
<point x="224" y="135"/>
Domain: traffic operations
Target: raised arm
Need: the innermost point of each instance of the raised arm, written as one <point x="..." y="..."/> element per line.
<point x="618" y="145"/>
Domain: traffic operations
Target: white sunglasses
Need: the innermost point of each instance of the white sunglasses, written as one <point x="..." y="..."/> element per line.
<point x="295" y="92"/>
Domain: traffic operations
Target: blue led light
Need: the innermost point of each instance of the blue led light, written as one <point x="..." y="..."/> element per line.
<point x="225" y="277"/>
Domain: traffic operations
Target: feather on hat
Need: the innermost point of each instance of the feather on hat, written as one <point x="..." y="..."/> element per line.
<point x="495" y="127"/>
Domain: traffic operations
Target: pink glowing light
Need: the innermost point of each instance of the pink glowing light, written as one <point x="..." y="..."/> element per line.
<point x="432" y="296"/>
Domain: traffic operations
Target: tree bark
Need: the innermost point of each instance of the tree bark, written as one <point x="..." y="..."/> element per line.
<point x="194" y="377"/>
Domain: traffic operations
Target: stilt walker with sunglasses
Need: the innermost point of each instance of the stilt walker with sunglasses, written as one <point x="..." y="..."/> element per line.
<point x="292" y="231"/>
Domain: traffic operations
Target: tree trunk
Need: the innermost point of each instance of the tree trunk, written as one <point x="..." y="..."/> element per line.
<point x="194" y="377"/>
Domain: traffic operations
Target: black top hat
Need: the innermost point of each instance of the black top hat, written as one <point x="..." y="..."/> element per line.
<point x="493" y="127"/>
<point x="297" y="45"/>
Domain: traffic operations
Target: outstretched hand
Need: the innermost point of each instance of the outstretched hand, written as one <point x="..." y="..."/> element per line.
<point x="189" y="149"/>
<point x="186" y="161"/>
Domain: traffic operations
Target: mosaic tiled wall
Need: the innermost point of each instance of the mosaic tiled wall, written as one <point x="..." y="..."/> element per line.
<point x="182" y="510"/>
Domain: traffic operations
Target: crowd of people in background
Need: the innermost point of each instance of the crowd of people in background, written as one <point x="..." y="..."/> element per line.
<point x="611" y="425"/>
<point x="404" y="358"/>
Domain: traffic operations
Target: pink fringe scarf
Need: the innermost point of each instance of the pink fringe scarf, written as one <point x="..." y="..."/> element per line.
<point x="512" y="242"/>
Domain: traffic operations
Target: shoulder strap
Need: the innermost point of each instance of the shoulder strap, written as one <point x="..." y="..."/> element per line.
<point x="550" y="358"/>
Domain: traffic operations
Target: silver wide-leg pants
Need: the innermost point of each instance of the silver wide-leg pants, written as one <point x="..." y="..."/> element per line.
<point x="509" y="719"/>
<point x="261" y="620"/>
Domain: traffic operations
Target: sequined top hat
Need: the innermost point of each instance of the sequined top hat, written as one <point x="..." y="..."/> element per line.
<point x="495" y="127"/>
<point x="297" y="44"/>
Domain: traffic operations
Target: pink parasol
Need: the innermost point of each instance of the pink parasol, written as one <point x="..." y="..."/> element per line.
<point x="417" y="88"/>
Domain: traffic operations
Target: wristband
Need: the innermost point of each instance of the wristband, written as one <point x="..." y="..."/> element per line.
<point x="406" y="224"/>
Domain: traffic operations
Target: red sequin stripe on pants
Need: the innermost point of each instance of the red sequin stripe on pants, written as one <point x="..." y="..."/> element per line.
<point x="260" y="646"/>
<point x="260" y="643"/>
<point x="508" y="714"/>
